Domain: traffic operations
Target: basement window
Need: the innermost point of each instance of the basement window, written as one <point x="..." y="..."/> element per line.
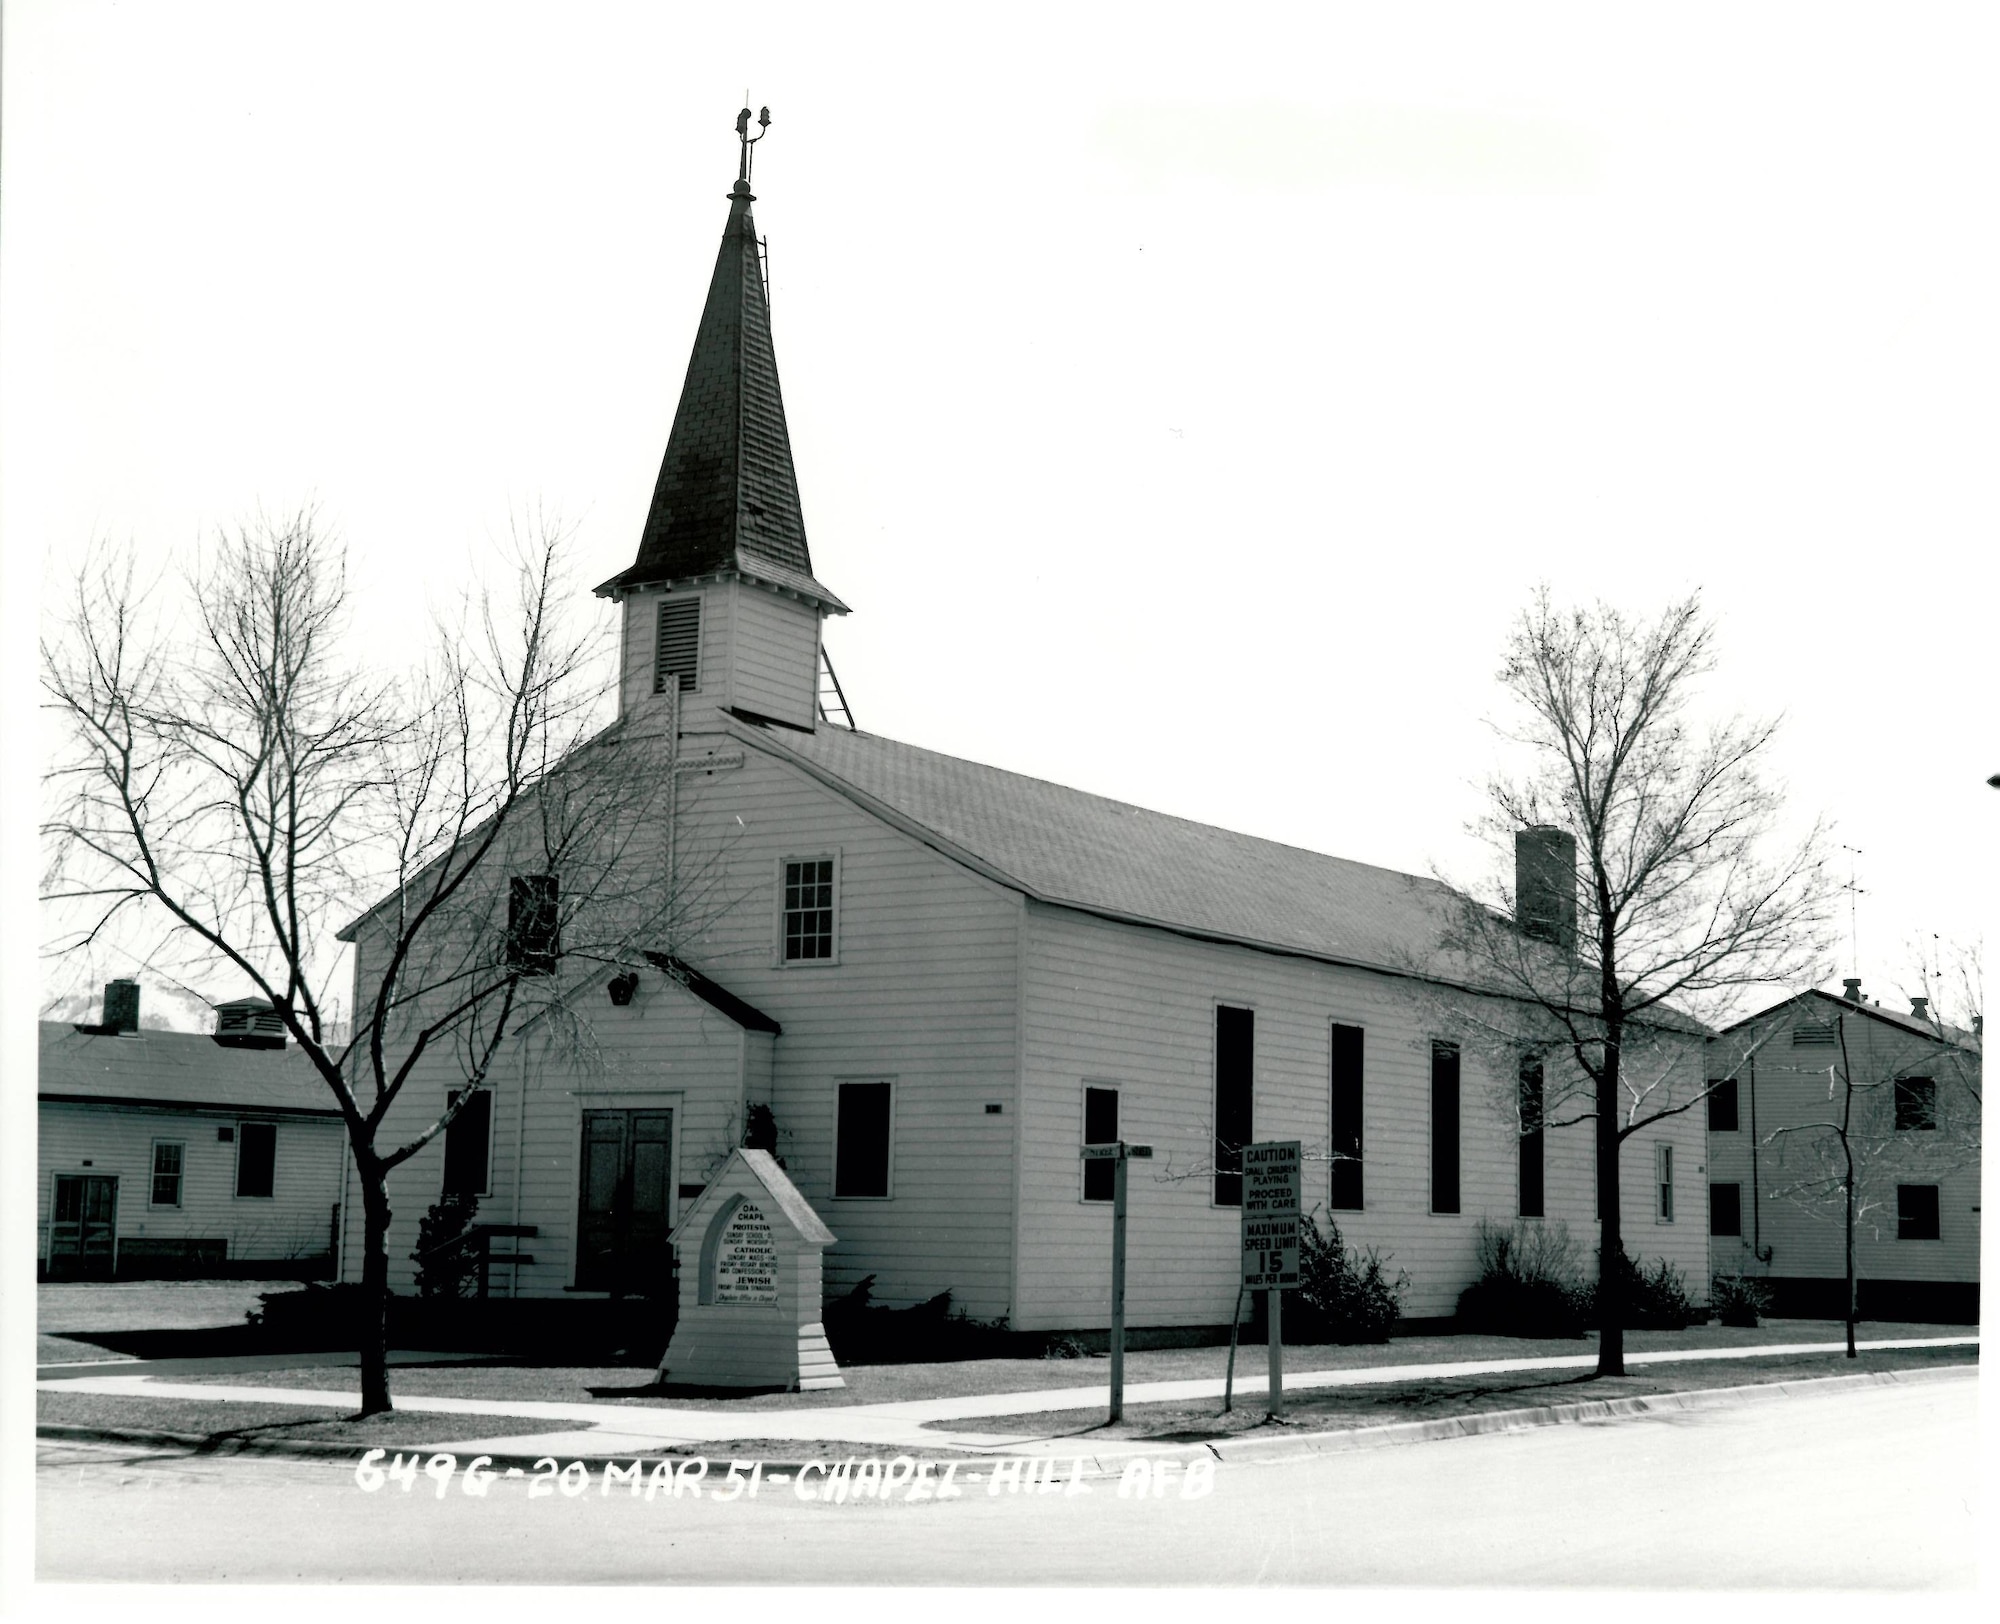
<point x="677" y="650"/>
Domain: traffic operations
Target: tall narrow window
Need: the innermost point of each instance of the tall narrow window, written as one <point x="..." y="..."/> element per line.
<point x="1916" y="1104"/>
<point x="256" y="1158"/>
<point x="466" y="1140"/>
<point x="1663" y="1177"/>
<point x="1917" y="1212"/>
<point x="1532" y="1142"/>
<point x="1722" y="1105"/>
<point x="1444" y="1127"/>
<point x="1725" y="1209"/>
<point x="169" y="1158"/>
<point x="861" y="1134"/>
<point x="677" y="654"/>
<point x="1346" y="1119"/>
<point x="534" y="926"/>
<point x="1100" y="1127"/>
<point x="1235" y="1052"/>
<point x="808" y="911"/>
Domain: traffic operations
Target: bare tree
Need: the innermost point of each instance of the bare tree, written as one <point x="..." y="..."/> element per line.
<point x="1685" y="900"/>
<point x="243" y="782"/>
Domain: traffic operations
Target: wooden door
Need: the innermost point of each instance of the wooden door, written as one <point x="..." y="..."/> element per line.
<point x="624" y="1201"/>
<point x="83" y="1227"/>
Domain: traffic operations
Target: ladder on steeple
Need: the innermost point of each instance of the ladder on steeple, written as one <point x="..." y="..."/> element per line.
<point x="832" y="702"/>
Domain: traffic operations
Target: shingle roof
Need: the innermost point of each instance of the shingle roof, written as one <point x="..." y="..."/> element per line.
<point x="177" y="1068"/>
<point x="1064" y="846"/>
<point x="727" y="495"/>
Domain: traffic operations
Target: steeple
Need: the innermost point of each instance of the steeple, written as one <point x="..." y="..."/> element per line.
<point x="727" y="499"/>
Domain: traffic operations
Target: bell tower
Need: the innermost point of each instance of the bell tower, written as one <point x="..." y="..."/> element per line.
<point x="721" y="604"/>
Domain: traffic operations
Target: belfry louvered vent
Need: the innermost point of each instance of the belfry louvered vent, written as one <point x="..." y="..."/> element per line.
<point x="678" y="651"/>
<point x="1807" y="1034"/>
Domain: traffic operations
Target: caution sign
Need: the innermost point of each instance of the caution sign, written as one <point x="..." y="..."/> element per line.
<point x="1271" y="1187"/>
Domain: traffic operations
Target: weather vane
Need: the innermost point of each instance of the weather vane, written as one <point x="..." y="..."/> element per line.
<point x="748" y="140"/>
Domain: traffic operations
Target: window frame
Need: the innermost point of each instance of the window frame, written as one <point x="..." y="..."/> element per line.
<point x="243" y="1127"/>
<point x="1936" y="1214"/>
<point x="889" y="1147"/>
<point x="1442" y="1048"/>
<point x="526" y="954"/>
<point x="1216" y="1153"/>
<point x="690" y="681"/>
<point x="1358" y="1083"/>
<point x="778" y="958"/>
<point x="1906" y="1091"/>
<point x="1725" y="1088"/>
<point x="1097" y="1085"/>
<point x="486" y="1184"/>
<point x="1663" y="1183"/>
<point x="179" y="1176"/>
<point x="1532" y="1147"/>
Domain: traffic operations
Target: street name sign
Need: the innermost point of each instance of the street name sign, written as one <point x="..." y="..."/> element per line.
<point x="1271" y="1191"/>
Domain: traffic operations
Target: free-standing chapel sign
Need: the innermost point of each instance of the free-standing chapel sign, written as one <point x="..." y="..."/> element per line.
<point x="750" y="1284"/>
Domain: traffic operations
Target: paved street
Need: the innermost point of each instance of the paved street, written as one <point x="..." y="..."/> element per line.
<point x="1847" y="1488"/>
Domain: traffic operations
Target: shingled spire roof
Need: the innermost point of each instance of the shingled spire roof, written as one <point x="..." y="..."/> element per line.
<point x="727" y="501"/>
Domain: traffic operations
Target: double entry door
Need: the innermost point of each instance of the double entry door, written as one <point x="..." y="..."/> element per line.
<point x="83" y="1227"/>
<point x="624" y="1200"/>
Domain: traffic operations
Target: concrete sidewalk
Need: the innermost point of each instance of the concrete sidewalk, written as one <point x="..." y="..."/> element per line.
<point x="595" y="1429"/>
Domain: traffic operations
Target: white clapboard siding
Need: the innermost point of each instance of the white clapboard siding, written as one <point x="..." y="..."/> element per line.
<point x="1132" y="1007"/>
<point x="774" y="669"/>
<point x="922" y="993"/>
<point x="294" y="1221"/>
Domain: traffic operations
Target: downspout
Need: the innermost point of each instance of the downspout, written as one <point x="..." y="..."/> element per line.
<point x="520" y="1135"/>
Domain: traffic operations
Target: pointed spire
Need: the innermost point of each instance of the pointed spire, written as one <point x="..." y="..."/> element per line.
<point x="727" y="499"/>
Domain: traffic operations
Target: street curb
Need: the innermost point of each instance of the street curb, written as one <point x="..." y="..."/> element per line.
<point x="1099" y="1462"/>
<point x="1495" y="1421"/>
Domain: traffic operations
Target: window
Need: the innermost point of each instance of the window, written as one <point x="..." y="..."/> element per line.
<point x="1725" y="1209"/>
<point x="169" y="1158"/>
<point x="256" y="1157"/>
<point x="808" y="912"/>
<point x="1100" y="1127"/>
<point x="1722" y="1105"/>
<point x="466" y="1141"/>
<point x="862" y="1117"/>
<point x="534" y="930"/>
<point x="1532" y="1142"/>
<point x="1663" y="1179"/>
<point x="1444" y="1127"/>
<point x="1916" y="1104"/>
<point x="1346" y="1119"/>
<point x="1917" y="1212"/>
<point x="677" y="652"/>
<point x="1235" y="1054"/>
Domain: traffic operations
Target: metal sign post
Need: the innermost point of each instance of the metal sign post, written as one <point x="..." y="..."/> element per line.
<point x="1271" y="1189"/>
<point x="1118" y="1154"/>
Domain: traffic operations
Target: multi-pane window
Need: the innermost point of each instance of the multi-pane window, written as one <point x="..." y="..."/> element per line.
<point x="1235" y="1056"/>
<point x="1346" y="1119"/>
<point x="1725" y="1209"/>
<point x="1916" y="1103"/>
<point x="1722" y="1105"/>
<point x="1917" y="1212"/>
<point x="1531" y="1137"/>
<point x="534" y="928"/>
<point x="861" y="1149"/>
<point x="169" y="1160"/>
<point x="256" y="1157"/>
<point x="808" y="925"/>
<point x="466" y="1140"/>
<point x="1100" y="1127"/>
<point x="1444" y="1127"/>
<point x="677" y="652"/>
<point x="1663" y="1181"/>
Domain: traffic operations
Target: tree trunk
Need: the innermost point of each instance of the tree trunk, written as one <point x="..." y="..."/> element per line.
<point x="1611" y="1238"/>
<point x="373" y="1328"/>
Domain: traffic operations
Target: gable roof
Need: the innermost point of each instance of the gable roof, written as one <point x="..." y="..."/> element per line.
<point x="177" y="1069"/>
<point x="1077" y="850"/>
<point x="727" y="499"/>
<point x="777" y="1185"/>
<point x="1934" y="1032"/>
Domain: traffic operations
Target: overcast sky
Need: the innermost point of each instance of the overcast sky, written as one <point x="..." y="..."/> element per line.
<point x="1185" y="400"/>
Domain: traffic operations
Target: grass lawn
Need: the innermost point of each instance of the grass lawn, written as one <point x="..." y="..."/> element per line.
<point x="217" y="1422"/>
<point x="1333" y="1409"/>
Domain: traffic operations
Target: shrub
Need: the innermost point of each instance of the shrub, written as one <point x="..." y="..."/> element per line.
<point x="1343" y="1295"/>
<point x="861" y="1331"/>
<point x="452" y="1273"/>
<point x="1528" y="1283"/>
<point x="1656" y="1299"/>
<point x="1739" y="1299"/>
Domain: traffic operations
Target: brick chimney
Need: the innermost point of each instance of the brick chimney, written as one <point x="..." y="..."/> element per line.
<point x="121" y="1006"/>
<point x="1853" y="989"/>
<point x="1545" y="884"/>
